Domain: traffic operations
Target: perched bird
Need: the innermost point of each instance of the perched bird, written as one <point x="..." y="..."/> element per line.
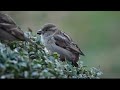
<point x="57" y="41"/>
<point x="10" y="31"/>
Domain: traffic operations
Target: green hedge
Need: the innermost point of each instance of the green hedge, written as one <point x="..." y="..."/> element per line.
<point x="23" y="60"/>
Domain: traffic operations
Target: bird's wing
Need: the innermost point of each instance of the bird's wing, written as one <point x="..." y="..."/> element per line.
<point x="4" y="18"/>
<point x="80" y="52"/>
<point x="61" y="41"/>
<point x="13" y="30"/>
<point x="67" y="44"/>
<point x="7" y="24"/>
<point x="10" y="27"/>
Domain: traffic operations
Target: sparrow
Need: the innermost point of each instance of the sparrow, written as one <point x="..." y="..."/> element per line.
<point x="10" y="31"/>
<point x="58" y="41"/>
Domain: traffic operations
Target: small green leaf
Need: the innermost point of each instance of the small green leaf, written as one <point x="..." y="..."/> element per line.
<point x="56" y="55"/>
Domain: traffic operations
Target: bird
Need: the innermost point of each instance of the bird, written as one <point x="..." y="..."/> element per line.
<point x="10" y="31"/>
<point x="55" y="40"/>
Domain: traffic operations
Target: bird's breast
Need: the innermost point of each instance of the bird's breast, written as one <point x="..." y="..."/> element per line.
<point x="52" y="47"/>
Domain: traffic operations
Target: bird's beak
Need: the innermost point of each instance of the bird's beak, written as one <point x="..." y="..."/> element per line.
<point x="39" y="32"/>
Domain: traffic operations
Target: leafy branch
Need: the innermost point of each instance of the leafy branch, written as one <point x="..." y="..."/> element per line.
<point x="23" y="60"/>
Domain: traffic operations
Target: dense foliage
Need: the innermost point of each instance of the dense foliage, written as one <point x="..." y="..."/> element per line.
<point x="25" y="61"/>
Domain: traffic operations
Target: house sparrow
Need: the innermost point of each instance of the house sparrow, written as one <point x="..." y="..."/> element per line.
<point x="9" y="31"/>
<point x="57" y="41"/>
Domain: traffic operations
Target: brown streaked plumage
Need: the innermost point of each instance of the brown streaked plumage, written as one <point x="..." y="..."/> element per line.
<point x="57" y="41"/>
<point x="10" y="31"/>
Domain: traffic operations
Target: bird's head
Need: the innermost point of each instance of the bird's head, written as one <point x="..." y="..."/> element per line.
<point x="47" y="29"/>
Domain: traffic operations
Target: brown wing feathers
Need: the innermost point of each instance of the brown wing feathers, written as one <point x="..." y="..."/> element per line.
<point x="65" y="43"/>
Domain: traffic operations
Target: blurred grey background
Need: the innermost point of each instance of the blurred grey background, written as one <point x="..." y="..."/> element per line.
<point x="96" y="32"/>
